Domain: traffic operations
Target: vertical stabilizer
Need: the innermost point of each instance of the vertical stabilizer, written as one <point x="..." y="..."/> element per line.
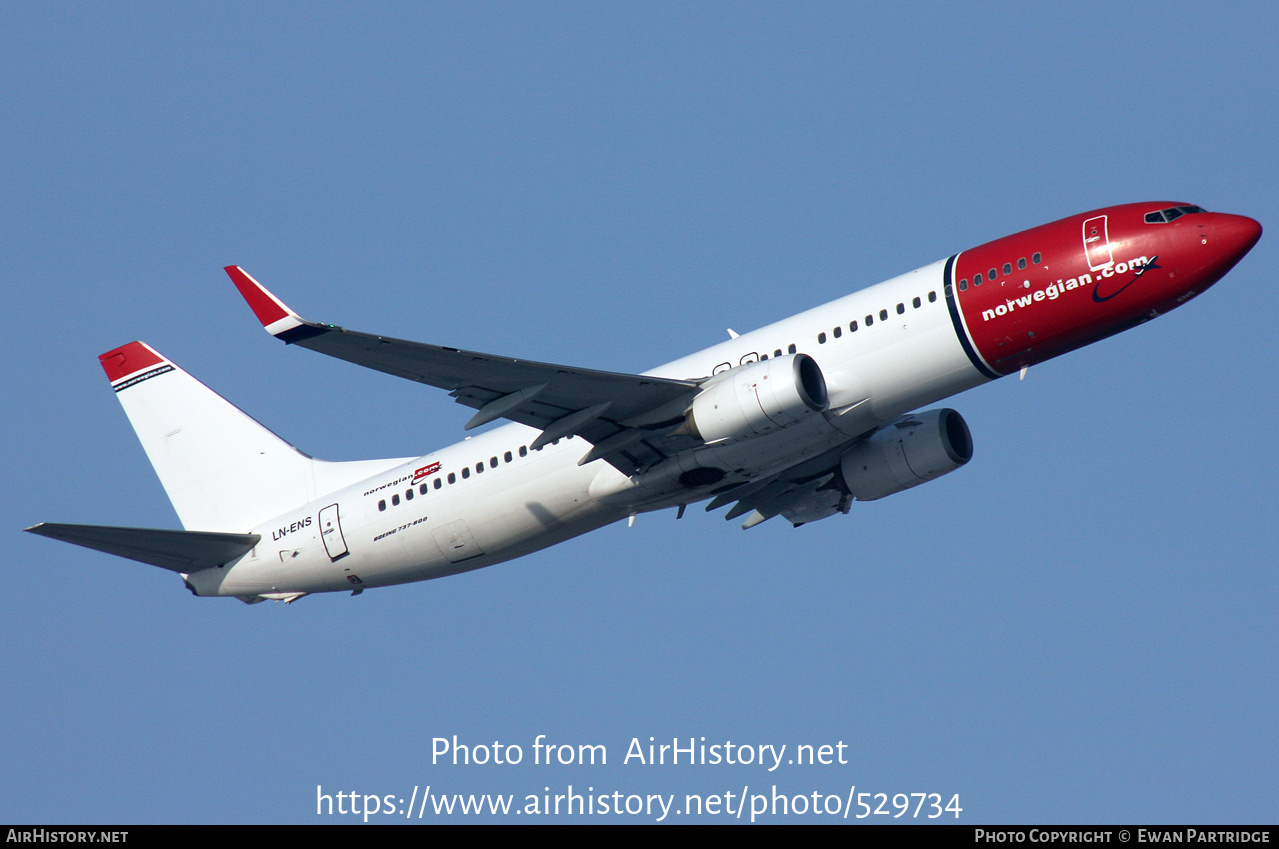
<point x="222" y="470"/>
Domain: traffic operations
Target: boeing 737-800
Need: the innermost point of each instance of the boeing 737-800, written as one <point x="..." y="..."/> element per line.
<point x="797" y="419"/>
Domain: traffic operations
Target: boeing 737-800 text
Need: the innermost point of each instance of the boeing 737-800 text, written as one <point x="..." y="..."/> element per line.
<point x="797" y="419"/>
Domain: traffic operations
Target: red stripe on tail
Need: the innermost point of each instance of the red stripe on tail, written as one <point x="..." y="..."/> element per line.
<point x="127" y="360"/>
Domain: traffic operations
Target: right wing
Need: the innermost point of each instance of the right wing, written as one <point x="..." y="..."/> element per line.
<point x="627" y="417"/>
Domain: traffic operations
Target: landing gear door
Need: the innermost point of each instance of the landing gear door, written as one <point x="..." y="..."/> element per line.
<point x="331" y="533"/>
<point x="1097" y="243"/>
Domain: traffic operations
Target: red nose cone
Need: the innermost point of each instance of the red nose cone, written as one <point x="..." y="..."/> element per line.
<point x="1236" y="234"/>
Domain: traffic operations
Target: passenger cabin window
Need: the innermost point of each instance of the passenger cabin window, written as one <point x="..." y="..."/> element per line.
<point x="821" y="338"/>
<point x="1008" y="268"/>
<point x="395" y="501"/>
<point x="381" y="505"/>
<point x="1021" y="264"/>
<point x="932" y="297"/>
<point x="1036" y="258"/>
<point x="870" y="319"/>
<point x="452" y="477"/>
<point x="852" y="326"/>
<point x="438" y="483"/>
<point x="963" y="285"/>
<point x="883" y="315"/>
<point x="901" y="309"/>
<point x="791" y="348"/>
<point x="838" y="331"/>
<point x="915" y="303"/>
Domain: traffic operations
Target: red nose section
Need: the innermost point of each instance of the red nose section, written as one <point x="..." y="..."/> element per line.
<point x="1236" y="234"/>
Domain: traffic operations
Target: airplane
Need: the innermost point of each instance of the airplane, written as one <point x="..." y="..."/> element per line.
<point x="799" y="418"/>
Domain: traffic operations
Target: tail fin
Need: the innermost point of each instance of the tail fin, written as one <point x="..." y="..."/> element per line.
<point x="222" y="470"/>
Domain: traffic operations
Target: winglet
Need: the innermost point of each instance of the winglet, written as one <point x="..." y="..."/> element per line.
<point x="277" y="318"/>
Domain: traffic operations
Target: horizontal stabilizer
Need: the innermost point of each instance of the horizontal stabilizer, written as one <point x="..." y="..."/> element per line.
<point x="177" y="551"/>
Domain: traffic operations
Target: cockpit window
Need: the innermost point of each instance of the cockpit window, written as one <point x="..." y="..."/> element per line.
<point x="1172" y="213"/>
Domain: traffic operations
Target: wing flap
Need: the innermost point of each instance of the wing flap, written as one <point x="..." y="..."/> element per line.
<point x="800" y="494"/>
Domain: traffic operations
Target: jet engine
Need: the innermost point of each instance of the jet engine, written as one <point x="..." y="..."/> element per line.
<point x="758" y="398"/>
<point x="916" y="448"/>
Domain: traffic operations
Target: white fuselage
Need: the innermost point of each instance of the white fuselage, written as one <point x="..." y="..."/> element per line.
<point x="410" y="523"/>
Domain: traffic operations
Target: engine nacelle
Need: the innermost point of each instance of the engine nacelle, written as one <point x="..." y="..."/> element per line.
<point x="906" y="453"/>
<point x="758" y="398"/>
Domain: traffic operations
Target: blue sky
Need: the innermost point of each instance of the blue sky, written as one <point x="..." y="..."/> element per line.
<point x="1079" y="626"/>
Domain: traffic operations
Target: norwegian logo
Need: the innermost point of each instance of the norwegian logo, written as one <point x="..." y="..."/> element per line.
<point x="1138" y="267"/>
<point x="426" y="471"/>
<point x="1053" y="291"/>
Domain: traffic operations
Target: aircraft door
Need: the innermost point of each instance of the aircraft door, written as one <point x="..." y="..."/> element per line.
<point x="331" y="533"/>
<point x="1097" y="243"/>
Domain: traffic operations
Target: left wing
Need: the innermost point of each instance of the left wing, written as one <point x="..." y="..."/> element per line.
<point x="627" y="417"/>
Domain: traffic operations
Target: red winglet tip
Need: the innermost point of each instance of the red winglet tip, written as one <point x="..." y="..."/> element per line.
<point x="267" y="309"/>
<point x="127" y="360"/>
